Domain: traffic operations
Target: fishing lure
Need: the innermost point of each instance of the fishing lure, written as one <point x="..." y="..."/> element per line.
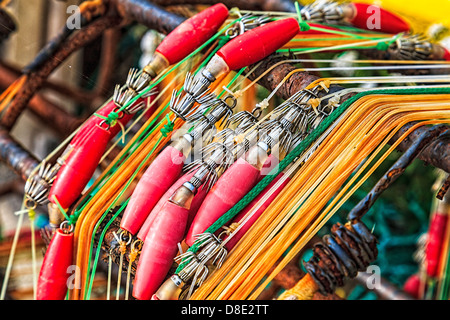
<point x="417" y="47"/>
<point x="216" y="158"/>
<point x="54" y="275"/>
<point x="38" y="186"/>
<point x="245" y="49"/>
<point x="169" y="225"/>
<point x="243" y="221"/>
<point x="359" y="15"/>
<point x="217" y="246"/>
<point x="245" y="172"/>
<point x="81" y="158"/>
<point x="219" y="110"/>
<point x="167" y="166"/>
<point x="187" y="202"/>
<point x="89" y="145"/>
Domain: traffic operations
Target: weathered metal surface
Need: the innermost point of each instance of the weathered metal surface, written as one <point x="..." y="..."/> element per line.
<point x="348" y="249"/>
<point x="16" y="156"/>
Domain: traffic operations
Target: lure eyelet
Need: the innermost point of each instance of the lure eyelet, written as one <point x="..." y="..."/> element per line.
<point x="104" y="125"/>
<point x="233" y="101"/>
<point x="30" y="203"/>
<point x="66" y="227"/>
<point x="120" y="114"/>
<point x="137" y="245"/>
<point x="125" y="237"/>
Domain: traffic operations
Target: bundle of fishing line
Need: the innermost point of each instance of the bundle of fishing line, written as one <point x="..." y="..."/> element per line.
<point x="221" y="183"/>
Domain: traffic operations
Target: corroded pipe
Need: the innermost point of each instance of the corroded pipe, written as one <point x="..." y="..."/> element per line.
<point x="16" y="156"/>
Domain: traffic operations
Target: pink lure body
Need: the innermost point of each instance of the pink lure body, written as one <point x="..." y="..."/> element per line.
<point x="156" y="180"/>
<point x="235" y="183"/>
<point x="79" y="167"/>
<point x="196" y="202"/>
<point x="159" y="250"/>
<point x="53" y="277"/>
<point x="240" y="233"/>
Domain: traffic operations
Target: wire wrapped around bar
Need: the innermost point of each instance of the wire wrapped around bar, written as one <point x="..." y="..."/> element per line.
<point x="350" y="248"/>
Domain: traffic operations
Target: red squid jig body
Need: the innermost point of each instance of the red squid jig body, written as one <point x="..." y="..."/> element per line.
<point x="196" y="202"/>
<point x="160" y="175"/>
<point x="167" y="166"/>
<point x="53" y="281"/>
<point x="366" y="16"/>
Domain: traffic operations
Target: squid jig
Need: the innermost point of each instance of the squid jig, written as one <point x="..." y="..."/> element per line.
<point x="88" y="146"/>
<point x="356" y="14"/>
<point x="167" y="166"/>
<point x="213" y="248"/>
<point x="206" y="125"/>
<point x="416" y="47"/>
<point x="216" y="158"/>
<point x="54" y="275"/>
<point x="169" y="225"/>
<point x="245" y="49"/>
<point x="246" y="171"/>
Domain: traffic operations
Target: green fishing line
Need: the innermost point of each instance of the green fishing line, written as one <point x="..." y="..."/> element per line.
<point x="302" y="146"/>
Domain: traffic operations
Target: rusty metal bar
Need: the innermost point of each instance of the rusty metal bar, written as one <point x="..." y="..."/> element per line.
<point x="61" y="122"/>
<point x="444" y="188"/>
<point x="384" y="289"/>
<point x="16" y="156"/>
<point x="396" y="170"/>
<point x="257" y="5"/>
<point x="436" y="154"/>
<point x="11" y="73"/>
<point x="148" y="14"/>
<point x="36" y="79"/>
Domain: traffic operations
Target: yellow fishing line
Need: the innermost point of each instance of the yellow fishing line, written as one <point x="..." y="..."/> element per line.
<point x="249" y="281"/>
